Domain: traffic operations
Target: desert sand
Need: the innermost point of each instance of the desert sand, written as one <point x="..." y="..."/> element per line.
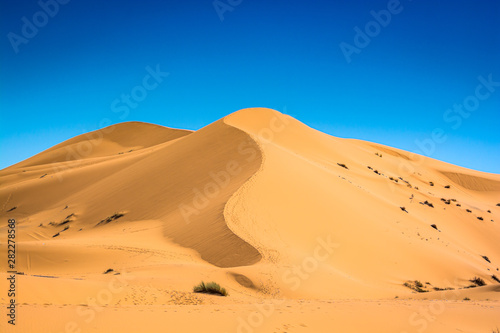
<point x="306" y="231"/>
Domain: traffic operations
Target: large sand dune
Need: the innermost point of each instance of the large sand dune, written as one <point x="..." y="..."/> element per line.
<point x="307" y="232"/>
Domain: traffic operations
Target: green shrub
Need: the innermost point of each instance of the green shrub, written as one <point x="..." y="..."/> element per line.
<point x="210" y="288"/>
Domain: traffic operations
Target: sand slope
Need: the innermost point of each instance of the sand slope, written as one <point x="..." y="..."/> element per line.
<point x="266" y="206"/>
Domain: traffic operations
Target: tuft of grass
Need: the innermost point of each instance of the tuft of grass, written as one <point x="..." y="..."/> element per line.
<point x="447" y="186"/>
<point x="210" y="288"/>
<point x="486" y="258"/>
<point x="466" y="299"/>
<point x="431" y="183"/>
<point x="343" y="165"/>
<point x="478" y="281"/>
<point x="494" y="277"/>
<point x="10" y="210"/>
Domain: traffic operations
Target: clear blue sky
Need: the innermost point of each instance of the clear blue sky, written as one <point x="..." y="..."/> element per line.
<point x="63" y="78"/>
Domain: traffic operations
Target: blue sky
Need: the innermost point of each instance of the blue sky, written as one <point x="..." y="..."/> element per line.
<point x="401" y="83"/>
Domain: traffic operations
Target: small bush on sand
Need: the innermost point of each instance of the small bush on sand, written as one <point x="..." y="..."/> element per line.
<point x="478" y="281"/>
<point x="416" y="286"/>
<point x="210" y="288"/>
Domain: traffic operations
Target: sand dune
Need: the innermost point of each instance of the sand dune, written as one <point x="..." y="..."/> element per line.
<point x="306" y="226"/>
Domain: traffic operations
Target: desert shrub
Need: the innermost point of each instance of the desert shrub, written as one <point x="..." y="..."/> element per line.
<point x="478" y="281"/>
<point x="416" y="286"/>
<point x="210" y="288"/>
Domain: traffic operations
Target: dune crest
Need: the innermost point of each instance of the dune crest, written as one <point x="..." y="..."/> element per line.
<point x="470" y="182"/>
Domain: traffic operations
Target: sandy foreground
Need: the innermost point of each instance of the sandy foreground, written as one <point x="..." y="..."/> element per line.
<point x="307" y="232"/>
